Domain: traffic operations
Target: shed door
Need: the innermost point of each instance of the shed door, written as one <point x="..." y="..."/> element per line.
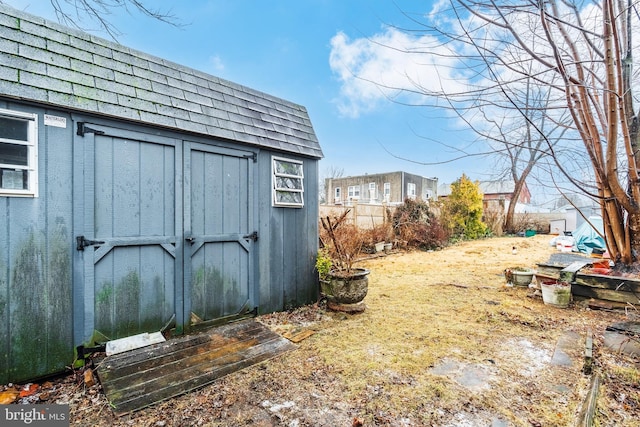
<point x="130" y="231"/>
<point x="165" y="235"/>
<point x="219" y="232"/>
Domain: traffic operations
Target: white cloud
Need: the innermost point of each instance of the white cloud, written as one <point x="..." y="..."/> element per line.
<point x="216" y="62"/>
<point x="391" y="65"/>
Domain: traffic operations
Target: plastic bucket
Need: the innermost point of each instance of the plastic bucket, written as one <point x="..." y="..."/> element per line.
<point x="557" y="294"/>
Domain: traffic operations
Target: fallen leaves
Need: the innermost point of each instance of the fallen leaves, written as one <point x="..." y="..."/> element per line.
<point x="89" y="378"/>
<point x="8" y="396"/>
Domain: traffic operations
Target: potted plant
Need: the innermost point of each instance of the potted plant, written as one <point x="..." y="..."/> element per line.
<point x="343" y="285"/>
<point x="519" y="276"/>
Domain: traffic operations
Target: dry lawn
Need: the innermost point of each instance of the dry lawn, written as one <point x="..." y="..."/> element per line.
<point x="443" y="342"/>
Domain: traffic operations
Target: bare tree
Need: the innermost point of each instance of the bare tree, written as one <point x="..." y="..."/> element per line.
<point x="581" y="54"/>
<point x="516" y="119"/>
<point x="517" y="145"/>
<point x="79" y="13"/>
<point x="330" y="172"/>
<point x="589" y="46"/>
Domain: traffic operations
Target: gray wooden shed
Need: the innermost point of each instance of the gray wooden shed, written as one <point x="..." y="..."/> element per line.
<point x="137" y="194"/>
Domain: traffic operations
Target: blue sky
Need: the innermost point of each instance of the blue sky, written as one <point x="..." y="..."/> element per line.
<point x="304" y="51"/>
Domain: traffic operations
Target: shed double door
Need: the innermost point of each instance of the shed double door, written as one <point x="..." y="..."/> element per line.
<point x="165" y="232"/>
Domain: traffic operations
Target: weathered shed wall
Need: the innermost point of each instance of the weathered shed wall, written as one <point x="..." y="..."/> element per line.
<point x="288" y="252"/>
<point x="35" y="264"/>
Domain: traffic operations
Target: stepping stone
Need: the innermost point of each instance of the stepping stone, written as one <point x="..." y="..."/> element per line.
<point x="623" y="337"/>
<point x="568" y="349"/>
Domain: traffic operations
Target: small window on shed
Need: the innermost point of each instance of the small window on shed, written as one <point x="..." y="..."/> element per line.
<point x="288" y="183"/>
<point x="18" y="154"/>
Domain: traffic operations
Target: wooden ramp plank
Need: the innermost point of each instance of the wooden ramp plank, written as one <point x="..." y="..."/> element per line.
<point x="177" y="363"/>
<point x="177" y="350"/>
<point x="139" y="378"/>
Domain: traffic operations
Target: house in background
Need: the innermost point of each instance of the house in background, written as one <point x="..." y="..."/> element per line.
<point x="497" y="195"/>
<point x="503" y="190"/>
<point x="139" y="195"/>
<point x="390" y="188"/>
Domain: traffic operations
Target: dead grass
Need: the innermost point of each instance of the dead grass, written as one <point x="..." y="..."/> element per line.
<point x="443" y="342"/>
<point x="453" y="305"/>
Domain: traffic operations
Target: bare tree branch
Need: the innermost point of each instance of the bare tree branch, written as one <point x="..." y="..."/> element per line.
<point x="77" y="13"/>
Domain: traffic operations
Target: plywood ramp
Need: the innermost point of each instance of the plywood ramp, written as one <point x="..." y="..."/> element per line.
<point x="139" y="378"/>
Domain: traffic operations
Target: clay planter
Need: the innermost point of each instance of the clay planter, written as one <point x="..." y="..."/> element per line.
<point x="346" y="291"/>
<point x="556" y="293"/>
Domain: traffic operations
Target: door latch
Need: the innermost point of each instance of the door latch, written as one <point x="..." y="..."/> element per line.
<point x="82" y="243"/>
<point x="253" y="236"/>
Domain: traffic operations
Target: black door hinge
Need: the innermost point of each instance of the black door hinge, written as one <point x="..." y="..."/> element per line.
<point x="82" y="243"/>
<point x="83" y="128"/>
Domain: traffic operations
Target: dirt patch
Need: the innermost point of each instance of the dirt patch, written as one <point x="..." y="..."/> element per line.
<point x="443" y="342"/>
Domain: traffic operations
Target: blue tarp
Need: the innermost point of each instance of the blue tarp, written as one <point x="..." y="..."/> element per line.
<point x="587" y="238"/>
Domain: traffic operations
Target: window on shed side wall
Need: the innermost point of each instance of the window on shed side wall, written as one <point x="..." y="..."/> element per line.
<point x="18" y="154"/>
<point x="288" y="182"/>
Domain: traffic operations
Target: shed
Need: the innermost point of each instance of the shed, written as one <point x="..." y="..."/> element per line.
<point x="137" y="195"/>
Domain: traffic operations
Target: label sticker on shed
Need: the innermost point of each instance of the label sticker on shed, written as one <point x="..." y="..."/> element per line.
<point x="59" y="122"/>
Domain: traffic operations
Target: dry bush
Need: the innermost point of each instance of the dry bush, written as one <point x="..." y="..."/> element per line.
<point x="425" y="236"/>
<point x="343" y="242"/>
<point x="494" y="219"/>
<point x="541" y="227"/>
<point x="378" y="233"/>
<point x="410" y="225"/>
<point x="521" y="222"/>
<point x="416" y="225"/>
<point x="524" y="221"/>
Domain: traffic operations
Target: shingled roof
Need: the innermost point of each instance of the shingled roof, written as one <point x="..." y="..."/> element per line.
<point x="48" y="63"/>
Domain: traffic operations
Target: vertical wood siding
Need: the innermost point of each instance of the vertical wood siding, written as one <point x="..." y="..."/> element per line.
<point x="218" y="207"/>
<point x="287" y="269"/>
<point x="134" y="198"/>
<point x="35" y="263"/>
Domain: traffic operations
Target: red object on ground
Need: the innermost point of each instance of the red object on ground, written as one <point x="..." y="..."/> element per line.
<point x="29" y="389"/>
<point x="604" y="263"/>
